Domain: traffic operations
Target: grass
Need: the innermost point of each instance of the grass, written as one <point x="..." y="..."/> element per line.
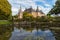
<point x="5" y="22"/>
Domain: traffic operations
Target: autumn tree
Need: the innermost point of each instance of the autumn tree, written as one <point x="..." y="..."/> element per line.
<point x="5" y="10"/>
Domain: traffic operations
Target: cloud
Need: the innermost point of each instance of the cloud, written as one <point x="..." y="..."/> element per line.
<point x="14" y="10"/>
<point x="46" y="10"/>
<point x="45" y="6"/>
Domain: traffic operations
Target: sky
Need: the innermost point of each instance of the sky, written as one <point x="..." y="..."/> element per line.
<point x="44" y="5"/>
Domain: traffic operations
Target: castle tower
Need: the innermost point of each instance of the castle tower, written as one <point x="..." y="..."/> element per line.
<point x="31" y="9"/>
<point x="20" y="14"/>
<point x="37" y="11"/>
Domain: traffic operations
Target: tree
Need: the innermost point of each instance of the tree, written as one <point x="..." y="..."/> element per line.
<point x="5" y="10"/>
<point x="56" y="8"/>
<point x="27" y="16"/>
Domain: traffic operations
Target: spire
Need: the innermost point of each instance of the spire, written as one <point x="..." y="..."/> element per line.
<point x="20" y="15"/>
<point x="31" y="9"/>
<point x="20" y="8"/>
<point x="37" y="10"/>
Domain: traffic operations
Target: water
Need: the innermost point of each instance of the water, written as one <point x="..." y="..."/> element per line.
<point x="31" y="34"/>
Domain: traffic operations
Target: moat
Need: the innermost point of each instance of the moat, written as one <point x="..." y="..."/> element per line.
<point x="31" y="34"/>
<point x="14" y="32"/>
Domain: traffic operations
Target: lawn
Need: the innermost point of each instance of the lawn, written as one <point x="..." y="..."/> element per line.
<point x="4" y="22"/>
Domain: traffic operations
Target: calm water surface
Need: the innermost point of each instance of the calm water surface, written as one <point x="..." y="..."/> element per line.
<point x="35" y="34"/>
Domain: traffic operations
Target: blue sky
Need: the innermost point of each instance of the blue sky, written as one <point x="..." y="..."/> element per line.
<point x="44" y="5"/>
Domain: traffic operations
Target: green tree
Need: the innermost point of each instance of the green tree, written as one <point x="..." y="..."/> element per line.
<point x="56" y="8"/>
<point x="27" y="16"/>
<point x="5" y="10"/>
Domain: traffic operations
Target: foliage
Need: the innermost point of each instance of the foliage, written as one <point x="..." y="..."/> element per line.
<point x="5" y="32"/>
<point x="5" y="22"/>
<point x="49" y="15"/>
<point x="27" y="17"/>
<point x="41" y="19"/>
<point x="56" y="8"/>
<point x="15" y="16"/>
<point x="5" y="10"/>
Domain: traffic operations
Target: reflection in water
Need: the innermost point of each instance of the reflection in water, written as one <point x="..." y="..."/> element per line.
<point x="5" y="32"/>
<point x="22" y="34"/>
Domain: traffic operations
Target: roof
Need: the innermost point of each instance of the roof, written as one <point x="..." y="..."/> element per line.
<point x="29" y="10"/>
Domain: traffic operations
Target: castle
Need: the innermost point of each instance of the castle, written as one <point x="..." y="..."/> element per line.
<point x="35" y="13"/>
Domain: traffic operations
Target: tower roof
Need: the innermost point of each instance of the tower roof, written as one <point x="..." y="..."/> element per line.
<point x="30" y="10"/>
<point x="37" y="10"/>
<point x="20" y="10"/>
<point x="41" y="11"/>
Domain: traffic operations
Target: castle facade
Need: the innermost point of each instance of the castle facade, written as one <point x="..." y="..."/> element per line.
<point x="35" y="13"/>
